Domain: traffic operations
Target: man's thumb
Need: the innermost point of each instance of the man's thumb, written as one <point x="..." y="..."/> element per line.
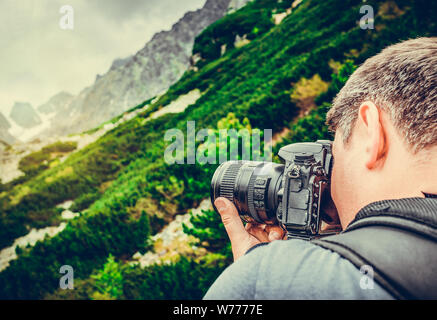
<point x="231" y="220"/>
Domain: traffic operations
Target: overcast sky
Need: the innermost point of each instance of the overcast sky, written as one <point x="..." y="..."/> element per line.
<point x="38" y="59"/>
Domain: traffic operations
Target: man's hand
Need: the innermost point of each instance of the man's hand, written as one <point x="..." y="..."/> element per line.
<point x="243" y="238"/>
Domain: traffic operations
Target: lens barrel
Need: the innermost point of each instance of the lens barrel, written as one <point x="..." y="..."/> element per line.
<point x="252" y="186"/>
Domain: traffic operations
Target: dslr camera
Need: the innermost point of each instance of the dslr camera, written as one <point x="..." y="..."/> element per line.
<point x="294" y="195"/>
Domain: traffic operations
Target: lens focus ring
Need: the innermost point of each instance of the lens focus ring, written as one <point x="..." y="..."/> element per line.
<point x="228" y="181"/>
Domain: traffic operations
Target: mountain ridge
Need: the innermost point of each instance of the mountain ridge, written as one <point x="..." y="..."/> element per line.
<point x="136" y="78"/>
<point x="24" y="115"/>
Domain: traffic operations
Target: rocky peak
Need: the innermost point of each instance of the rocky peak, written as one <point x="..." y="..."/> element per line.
<point x="24" y="115"/>
<point x="131" y="80"/>
<point x="119" y="62"/>
<point x="58" y="100"/>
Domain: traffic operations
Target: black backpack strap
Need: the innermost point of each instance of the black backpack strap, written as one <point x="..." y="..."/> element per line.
<point x="400" y="248"/>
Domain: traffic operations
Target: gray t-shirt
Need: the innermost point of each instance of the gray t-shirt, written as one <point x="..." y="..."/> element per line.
<point x="293" y="269"/>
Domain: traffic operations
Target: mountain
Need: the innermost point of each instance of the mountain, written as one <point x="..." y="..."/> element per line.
<point x="147" y="73"/>
<point x="119" y="62"/>
<point x="4" y="127"/>
<point x="58" y="103"/>
<point x="282" y="77"/>
<point x="24" y="115"/>
<point x="4" y="123"/>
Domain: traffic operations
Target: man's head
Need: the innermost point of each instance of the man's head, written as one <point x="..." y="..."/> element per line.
<point x="385" y="123"/>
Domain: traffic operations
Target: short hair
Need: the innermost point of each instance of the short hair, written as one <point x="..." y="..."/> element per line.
<point x="402" y="81"/>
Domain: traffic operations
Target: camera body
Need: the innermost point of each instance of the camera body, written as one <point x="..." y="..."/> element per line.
<point x="306" y="180"/>
<point x="291" y="194"/>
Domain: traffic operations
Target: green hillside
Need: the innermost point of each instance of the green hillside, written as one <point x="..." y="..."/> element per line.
<point x="281" y="76"/>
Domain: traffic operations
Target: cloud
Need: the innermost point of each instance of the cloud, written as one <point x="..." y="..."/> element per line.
<point x="39" y="59"/>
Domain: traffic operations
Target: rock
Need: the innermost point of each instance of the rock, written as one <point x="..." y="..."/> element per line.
<point x="68" y="215"/>
<point x="296" y="3"/>
<point x="280" y="16"/>
<point x="223" y="49"/>
<point x="241" y="41"/>
<point x="65" y="205"/>
<point x="195" y="58"/>
<point x="8" y="254"/>
<point x="234" y="5"/>
<point x="179" y="105"/>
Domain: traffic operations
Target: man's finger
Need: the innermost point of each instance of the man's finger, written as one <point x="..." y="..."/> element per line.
<point x="231" y="220"/>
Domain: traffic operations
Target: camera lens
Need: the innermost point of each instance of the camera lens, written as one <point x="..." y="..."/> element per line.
<point x="252" y="186"/>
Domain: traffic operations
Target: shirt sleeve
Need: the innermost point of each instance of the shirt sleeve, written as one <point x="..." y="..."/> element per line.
<point x="238" y="281"/>
<point x="293" y="269"/>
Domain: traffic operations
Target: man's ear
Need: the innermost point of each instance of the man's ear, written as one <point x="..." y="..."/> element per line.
<point x="375" y="143"/>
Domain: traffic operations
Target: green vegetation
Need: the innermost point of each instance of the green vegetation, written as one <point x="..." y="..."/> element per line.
<point x="126" y="191"/>
<point x="210" y="233"/>
<point x="109" y="281"/>
<point x="255" y="20"/>
<point x="185" y="278"/>
<point x="84" y="244"/>
<point x="42" y="159"/>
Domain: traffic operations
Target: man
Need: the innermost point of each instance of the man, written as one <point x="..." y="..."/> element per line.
<point x="385" y="169"/>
